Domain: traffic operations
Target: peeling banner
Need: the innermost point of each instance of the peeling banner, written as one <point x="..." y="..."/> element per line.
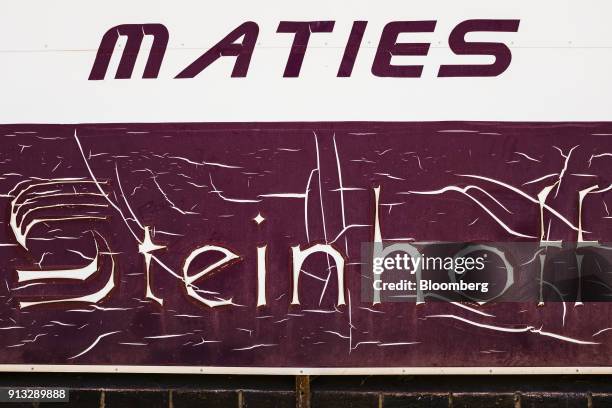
<point x="309" y="191"/>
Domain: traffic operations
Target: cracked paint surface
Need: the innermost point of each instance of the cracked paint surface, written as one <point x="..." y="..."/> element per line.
<point x="102" y="226"/>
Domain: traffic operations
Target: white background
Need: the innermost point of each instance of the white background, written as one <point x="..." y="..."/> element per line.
<point x="561" y="68"/>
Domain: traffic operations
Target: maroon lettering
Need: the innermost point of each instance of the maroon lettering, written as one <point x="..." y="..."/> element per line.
<point x="459" y="46"/>
<point x="388" y="47"/>
<point x="228" y="47"/>
<point x="302" y="30"/>
<point x="135" y="33"/>
<point x="352" y="48"/>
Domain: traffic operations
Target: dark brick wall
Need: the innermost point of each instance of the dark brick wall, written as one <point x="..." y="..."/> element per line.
<point x="188" y="391"/>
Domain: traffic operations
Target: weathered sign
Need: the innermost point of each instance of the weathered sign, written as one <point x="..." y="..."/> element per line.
<point x="425" y="190"/>
<point x="214" y="245"/>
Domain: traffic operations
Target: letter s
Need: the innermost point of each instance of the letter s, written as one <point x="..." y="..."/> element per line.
<point x="459" y="46"/>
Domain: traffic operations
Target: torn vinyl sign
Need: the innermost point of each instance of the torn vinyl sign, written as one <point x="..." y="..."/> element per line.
<point x="219" y="246"/>
<point x="329" y="188"/>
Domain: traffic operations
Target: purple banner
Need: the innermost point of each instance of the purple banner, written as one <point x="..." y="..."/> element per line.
<point x="239" y="245"/>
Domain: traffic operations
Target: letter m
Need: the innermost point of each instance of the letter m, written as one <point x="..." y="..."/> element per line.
<point x="135" y="33"/>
